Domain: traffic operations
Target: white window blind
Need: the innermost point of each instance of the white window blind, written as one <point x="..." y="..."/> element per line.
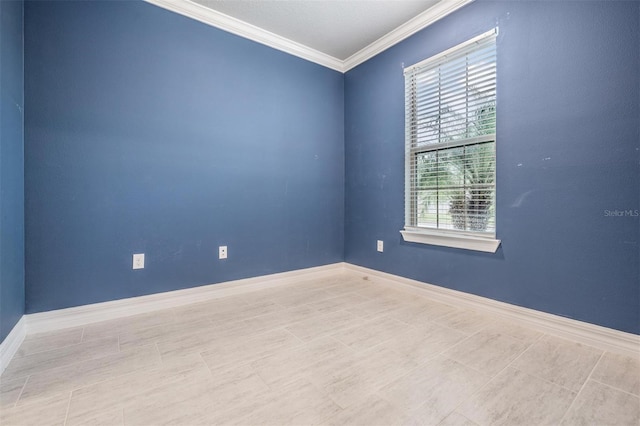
<point x="450" y="137"/>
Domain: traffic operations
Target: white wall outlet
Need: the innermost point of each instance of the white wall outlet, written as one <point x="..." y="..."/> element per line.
<point x="138" y="261"/>
<point x="380" y="246"/>
<point x="222" y="252"/>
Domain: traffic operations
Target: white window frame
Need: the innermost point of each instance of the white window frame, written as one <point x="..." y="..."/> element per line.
<point x="485" y="242"/>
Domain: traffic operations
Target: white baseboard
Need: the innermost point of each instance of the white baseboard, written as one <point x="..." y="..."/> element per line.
<point x="589" y="334"/>
<point x="86" y="314"/>
<point x="12" y="342"/>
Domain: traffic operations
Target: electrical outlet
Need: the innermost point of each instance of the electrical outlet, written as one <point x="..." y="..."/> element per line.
<point x="380" y="246"/>
<point x="138" y="261"/>
<point x="222" y="252"/>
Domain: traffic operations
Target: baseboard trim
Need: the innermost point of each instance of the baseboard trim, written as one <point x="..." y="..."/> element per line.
<point x="589" y="334"/>
<point x="579" y="331"/>
<point x="87" y="314"/>
<point x="12" y="342"/>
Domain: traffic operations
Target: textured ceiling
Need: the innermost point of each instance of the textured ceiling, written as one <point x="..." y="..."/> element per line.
<point x="338" y="28"/>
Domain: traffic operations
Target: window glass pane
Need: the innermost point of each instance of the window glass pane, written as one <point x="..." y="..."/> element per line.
<point x="455" y="188"/>
<point x="427" y="208"/>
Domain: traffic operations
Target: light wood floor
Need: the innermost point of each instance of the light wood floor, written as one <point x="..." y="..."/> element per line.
<point x="338" y="351"/>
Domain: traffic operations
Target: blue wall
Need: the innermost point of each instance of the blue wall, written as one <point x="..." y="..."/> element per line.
<point x="11" y="166"/>
<point x="568" y="149"/>
<point x="149" y="132"/>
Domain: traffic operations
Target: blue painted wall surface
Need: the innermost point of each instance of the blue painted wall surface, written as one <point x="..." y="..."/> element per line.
<point x="149" y="132"/>
<point x="568" y="144"/>
<point x="11" y="166"/>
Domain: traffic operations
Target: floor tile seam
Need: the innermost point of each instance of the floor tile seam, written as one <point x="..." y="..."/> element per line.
<point x="412" y="411"/>
<point x="492" y="378"/>
<point x="356" y="292"/>
<point x="205" y="364"/>
<point x="473" y="393"/>
<point x="66" y="414"/>
<point x="81" y="361"/>
<point x="87" y="385"/>
<point x="230" y="365"/>
<point x="324" y="315"/>
<point x="302" y="342"/>
<point x="262" y="379"/>
<point x="490" y="375"/>
<point x="44" y="334"/>
<point x="18" y="355"/>
<point x="361" y="325"/>
<point x="380" y="343"/>
<point x="193" y="333"/>
<point x="443" y="351"/>
<point x="377" y="387"/>
<point x="528" y="348"/>
<point x="73" y="389"/>
<point x="364" y="395"/>
<point x="545" y="380"/>
<point x="330" y="337"/>
<point x="340" y="309"/>
<point x="15" y="404"/>
<point x="491" y="319"/>
<point x="55" y="349"/>
<point x="512" y="339"/>
<point x="614" y="387"/>
<point x="208" y="315"/>
<point x="284" y="309"/>
<point x="444" y="314"/>
<point x="411" y="326"/>
<point x="467" y="337"/>
<point x="380" y="395"/>
<point x="549" y="381"/>
<point x="399" y="378"/>
<point x="577" y="395"/>
<point x="242" y="318"/>
<point x="511" y="364"/>
<point x="461" y="415"/>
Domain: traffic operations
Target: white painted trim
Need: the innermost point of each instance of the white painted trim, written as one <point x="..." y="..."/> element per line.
<point x="243" y="29"/>
<point x="590" y="334"/>
<point x="579" y="331"/>
<point x="86" y="314"/>
<point x="12" y="342"/>
<point x="421" y="21"/>
<point x="451" y="239"/>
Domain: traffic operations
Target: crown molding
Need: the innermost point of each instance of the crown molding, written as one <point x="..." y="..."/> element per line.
<point x="240" y="28"/>
<point x="421" y="21"/>
<point x="243" y="29"/>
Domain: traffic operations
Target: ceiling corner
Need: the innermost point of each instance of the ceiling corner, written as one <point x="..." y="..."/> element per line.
<point x="421" y="21"/>
<point x="243" y="29"/>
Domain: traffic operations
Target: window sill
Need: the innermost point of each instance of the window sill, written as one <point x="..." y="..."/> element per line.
<point x="451" y="239"/>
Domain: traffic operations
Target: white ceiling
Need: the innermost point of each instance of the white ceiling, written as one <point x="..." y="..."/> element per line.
<point x="337" y="28"/>
<point x="338" y="34"/>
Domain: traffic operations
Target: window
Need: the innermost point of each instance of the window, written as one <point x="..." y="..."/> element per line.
<point x="450" y="161"/>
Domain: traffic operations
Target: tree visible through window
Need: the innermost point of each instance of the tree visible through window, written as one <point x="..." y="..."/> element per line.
<point x="450" y="139"/>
